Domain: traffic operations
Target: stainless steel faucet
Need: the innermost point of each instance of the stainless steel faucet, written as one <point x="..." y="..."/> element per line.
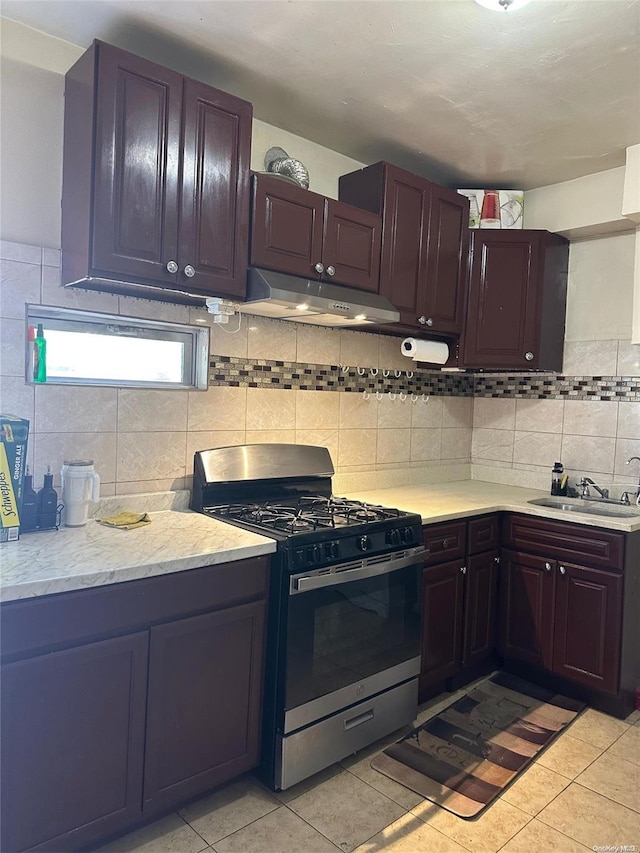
<point x="584" y="484"/>
<point x="635" y="459"/>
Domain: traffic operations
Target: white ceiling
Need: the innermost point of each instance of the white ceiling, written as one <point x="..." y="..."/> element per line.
<point x="446" y="88"/>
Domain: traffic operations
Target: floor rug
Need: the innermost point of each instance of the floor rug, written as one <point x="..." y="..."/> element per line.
<point x="464" y="757"/>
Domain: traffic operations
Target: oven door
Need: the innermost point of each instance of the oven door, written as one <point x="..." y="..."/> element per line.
<point x="352" y="631"/>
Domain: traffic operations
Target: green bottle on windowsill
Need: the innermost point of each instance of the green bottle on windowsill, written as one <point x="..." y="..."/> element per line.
<point x="40" y="356"/>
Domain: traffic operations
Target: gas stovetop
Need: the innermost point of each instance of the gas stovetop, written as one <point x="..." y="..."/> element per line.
<point x="305" y="513"/>
<point x="284" y="491"/>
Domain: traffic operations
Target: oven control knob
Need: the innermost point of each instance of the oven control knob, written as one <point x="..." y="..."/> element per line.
<point x="331" y="550"/>
<point x="407" y="535"/>
<point x="313" y="554"/>
<point x="364" y="543"/>
<point x="393" y="537"/>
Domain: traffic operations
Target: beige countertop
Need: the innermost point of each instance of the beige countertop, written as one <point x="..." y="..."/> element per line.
<point x="69" y="559"/>
<point x="463" y="498"/>
<point x="53" y="561"/>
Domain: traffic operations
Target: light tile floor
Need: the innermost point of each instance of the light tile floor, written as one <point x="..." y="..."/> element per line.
<point x="583" y="793"/>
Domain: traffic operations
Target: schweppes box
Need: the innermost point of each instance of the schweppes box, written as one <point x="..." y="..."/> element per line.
<point x="14" y="433"/>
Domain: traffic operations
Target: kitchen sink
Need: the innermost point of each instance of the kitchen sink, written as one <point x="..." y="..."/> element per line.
<point x="588" y="507"/>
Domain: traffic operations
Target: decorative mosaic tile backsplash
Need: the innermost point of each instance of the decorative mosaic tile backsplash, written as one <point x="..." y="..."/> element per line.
<point x="549" y="386"/>
<point x="261" y="373"/>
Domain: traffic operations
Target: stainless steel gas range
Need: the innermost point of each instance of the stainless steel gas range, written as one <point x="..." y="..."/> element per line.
<point x="343" y="642"/>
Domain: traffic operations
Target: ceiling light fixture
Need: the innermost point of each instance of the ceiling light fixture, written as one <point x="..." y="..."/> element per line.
<point x="503" y="5"/>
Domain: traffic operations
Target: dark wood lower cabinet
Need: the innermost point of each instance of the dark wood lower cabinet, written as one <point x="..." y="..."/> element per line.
<point x="480" y="608"/>
<point x="527" y="595"/>
<point x="569" y="609"/>
<point x="459" y="602"/>
<point x="442" y="602"/>
<point x="101" y="732"/>
<point x="586" y="645"/>
<point x="204" y="705"/>
<point x="73" y="744"/>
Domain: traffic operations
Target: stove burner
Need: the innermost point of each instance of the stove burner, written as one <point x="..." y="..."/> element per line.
<point x="309" y="512"/>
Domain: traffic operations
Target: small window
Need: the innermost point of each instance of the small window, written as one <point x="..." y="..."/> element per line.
<point x="85" y="348"/>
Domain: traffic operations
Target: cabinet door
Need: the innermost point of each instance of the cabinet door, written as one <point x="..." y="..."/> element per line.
<point x="480" y="607"/>
<point x="444" y="288"/>
<point x="442" y="588"/>
<point x="503" y="316"/>
<point x="351" y="245"/>
<point x="286" y="227"/>
<point x="205" y="693"/>
<point x="72" y="744"/>
<point x="527" y="595"/>
<point x="588" y="624"/>
<point x="403" y="266"/>
<point x="214" y="225"/>
<point x="137" y="163"/>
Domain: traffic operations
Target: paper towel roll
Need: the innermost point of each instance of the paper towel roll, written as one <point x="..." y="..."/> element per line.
<point x="435" y="352"/>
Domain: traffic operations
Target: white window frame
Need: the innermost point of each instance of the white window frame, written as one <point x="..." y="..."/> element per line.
<point x="195" y="367"/>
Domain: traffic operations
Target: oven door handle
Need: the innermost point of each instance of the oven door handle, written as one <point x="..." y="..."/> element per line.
<point x="306" y="582"/>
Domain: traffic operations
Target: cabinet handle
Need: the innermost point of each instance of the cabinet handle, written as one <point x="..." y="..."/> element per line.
<point x="463" y="570"/>
<point x="319" y="268"/>
<point x="562" y="570"/>
<point x="547" y="567"/>
<point x="189" y="271"/>
<point x="172" y="267"/>
<point x="331" y="270"/>
<point x="528" y="356"/>
<point x="425" y="321"/>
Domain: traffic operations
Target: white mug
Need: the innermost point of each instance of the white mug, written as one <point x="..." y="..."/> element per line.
<point x="80" y="486"/>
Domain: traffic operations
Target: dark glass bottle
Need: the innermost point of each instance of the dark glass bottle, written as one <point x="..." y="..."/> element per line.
<point x="47" y="512"/>
<point x="29" y="510"/>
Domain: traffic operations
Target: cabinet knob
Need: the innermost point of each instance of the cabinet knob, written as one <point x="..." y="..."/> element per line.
<point x="463" y="570"/>
<point x="562" y="570"/>
<point x="445" y="543"/>
<point x="547" y="567"/>
<point x="496" y="560"/>
<point x="189" y="271"/>
<point x="425" y="321"/>
<point x="528" y="356"/>
<point x="172" y="267"/>
<point x="331" y="270"/>
<point x="319" y="268"/>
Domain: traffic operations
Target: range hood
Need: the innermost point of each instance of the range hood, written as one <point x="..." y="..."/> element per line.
<point x="318" y="303"/>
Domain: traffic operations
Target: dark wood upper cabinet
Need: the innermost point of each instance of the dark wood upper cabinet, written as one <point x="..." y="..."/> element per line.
<point x="299" y="232"/>
<point x="155" y="193"/>
<point x="517" y="300"/>
<point x="424" y="244"/>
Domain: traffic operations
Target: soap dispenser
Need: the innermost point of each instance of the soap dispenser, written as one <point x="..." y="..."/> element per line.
<point x="556" y="478"/>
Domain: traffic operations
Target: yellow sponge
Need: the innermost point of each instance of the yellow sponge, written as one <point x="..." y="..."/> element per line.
<point x="126" y="520"/>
